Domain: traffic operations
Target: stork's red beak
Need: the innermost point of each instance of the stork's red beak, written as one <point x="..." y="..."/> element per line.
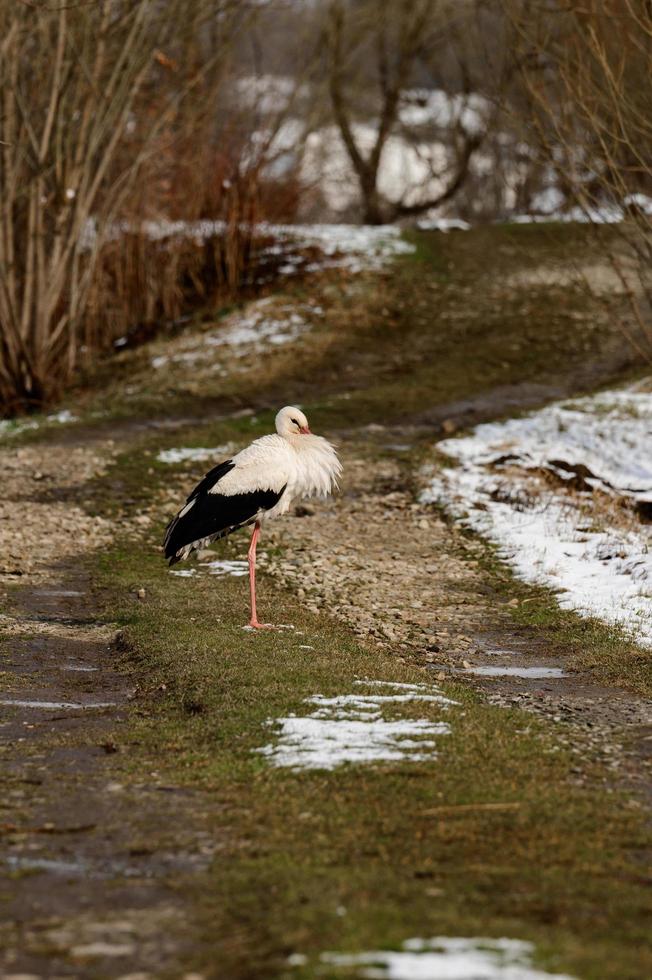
<point x="304" y="430"/>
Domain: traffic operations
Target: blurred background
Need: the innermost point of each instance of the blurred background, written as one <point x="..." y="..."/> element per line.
<point x="151" y="154"/>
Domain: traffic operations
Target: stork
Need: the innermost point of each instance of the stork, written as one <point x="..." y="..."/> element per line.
<point x="257" y="484"/>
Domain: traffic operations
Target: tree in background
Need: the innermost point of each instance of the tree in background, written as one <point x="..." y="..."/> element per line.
<point x="586" y="72"/>
<point x="383" y="63"/>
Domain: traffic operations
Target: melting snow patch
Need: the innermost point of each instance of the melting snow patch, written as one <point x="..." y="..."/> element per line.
<point x="447" y="958"/>
<point x="196" y="455"/>
<point x="183" y="572"/>
<point x="350" y="728"/>
<point x="14" y="427"/>
<point x="254" y="331"/>
<point x="603" y="442"/>
<point x="223" y="567"/>
<point x="62" y="417"/>
<point x="443" y="224"/>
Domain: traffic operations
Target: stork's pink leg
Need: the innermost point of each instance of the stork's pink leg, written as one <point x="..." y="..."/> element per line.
<point x="251" y="558"/>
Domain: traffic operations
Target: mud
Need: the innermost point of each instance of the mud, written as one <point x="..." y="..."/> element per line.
<point x="94" y="864"/>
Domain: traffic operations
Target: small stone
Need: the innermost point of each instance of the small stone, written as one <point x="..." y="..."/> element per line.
<point x="141" y="593"/>
<point x="449" y="426"/>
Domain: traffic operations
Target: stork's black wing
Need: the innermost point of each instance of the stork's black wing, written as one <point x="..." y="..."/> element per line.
<point x="209" y="516"/>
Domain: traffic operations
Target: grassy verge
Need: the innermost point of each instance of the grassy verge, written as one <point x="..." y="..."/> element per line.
<point x="585" y="642"/>
<point x="362" y="857"/>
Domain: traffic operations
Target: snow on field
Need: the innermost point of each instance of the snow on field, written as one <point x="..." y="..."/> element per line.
<point x="217" y="567"/>
<point x="351" y="728"/>
<point x="354" y="247"/>
<point x="254" y="331"/>
<point x="197" y="454"/>
<point x="14" y="427"/>
<point x="595" y="555"/>
<point x="446" y="958"/>
<point x="225" y="567"/>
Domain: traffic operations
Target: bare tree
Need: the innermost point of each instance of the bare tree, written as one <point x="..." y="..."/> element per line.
<point x="586" y="70"/>
<point x="86" y="90"/>
<point x="374" y="56"/>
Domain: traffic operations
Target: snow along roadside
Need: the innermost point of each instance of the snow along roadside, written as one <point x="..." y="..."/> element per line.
<point x="579" y="537"/>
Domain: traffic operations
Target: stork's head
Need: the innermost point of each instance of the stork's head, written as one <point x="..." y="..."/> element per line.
<point x="291" y="422"/>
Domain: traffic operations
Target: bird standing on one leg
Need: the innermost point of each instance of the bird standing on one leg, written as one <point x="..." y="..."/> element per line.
<point x="259" y="483"/>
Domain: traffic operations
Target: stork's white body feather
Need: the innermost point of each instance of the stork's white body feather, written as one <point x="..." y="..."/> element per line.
<point x="306" y="465"/>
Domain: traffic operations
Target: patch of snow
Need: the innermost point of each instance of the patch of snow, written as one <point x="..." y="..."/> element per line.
<point x="195" y="455"/>
<point x="640" y="201"/>
<point x="242" y="335"/>
<point x="63" y="417"/>
<point x="355" y="247"/>
<point x="444" y="110"/>
<point x="607" y="437"/>
<point x="443" y="224"/>
<point x="548" y="201"/>
<point x="224" y="567"/>
<point x="14" y="427"/>
<point x="351" y="729"/>
<point x="447" y="958"/>
<point x="411" y="170"/>
<point x="547" y="535"/>
<point x="183" y="572"/>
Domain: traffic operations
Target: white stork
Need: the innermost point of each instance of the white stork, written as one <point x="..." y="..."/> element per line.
<point x="258" y="483"/>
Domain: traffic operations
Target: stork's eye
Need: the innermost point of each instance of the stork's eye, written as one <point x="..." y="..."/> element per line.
<point x="295" y="422"/>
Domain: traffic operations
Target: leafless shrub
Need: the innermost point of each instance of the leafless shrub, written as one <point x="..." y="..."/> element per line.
<point x="110" y="116"/>
<point x="376" y="58"/>
<point x="586" y="70"/>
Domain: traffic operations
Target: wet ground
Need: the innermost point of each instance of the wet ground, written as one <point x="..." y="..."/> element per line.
<point x="93" y="868"/>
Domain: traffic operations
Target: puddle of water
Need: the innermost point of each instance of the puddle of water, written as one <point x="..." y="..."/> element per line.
<point x="47" y="864"/>
<point x="533" y="673"/>
<point x="57" y="705"/>
<point x="64" y="593"/>
<point x="447" y="958"/>
<point x="350" y="728"/>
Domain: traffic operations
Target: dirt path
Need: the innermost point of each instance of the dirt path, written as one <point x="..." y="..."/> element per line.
<point x="94" y="865"/>
<point x="102" y="863"/>
<point x="98" y="861"/>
